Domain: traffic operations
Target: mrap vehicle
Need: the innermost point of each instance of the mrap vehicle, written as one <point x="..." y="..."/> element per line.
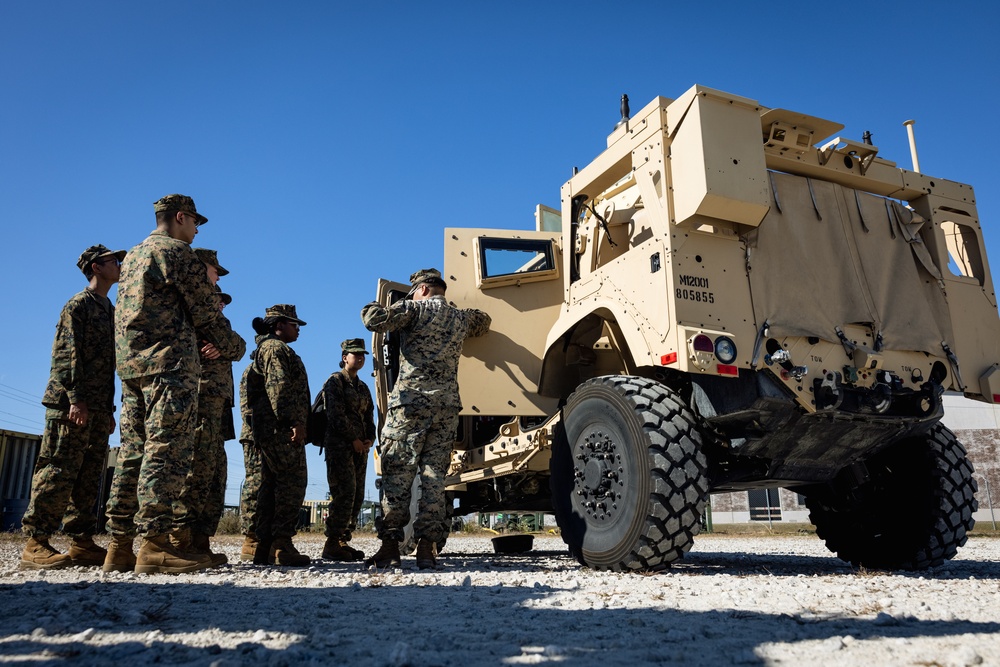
<point x="731" y="297"/>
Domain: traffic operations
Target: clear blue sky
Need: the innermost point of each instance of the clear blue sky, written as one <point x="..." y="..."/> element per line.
<point x="329" y="143"/>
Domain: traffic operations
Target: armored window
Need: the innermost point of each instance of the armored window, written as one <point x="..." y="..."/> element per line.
<point x="514" y="261"/>
<point x="964" y="256"/>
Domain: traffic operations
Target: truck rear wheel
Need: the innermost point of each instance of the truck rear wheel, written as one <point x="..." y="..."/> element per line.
<point x="629" y="479"/>
<point x="914" y="513"/>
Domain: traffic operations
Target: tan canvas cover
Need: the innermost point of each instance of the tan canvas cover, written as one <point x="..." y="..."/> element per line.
<point x="826" y="256"/>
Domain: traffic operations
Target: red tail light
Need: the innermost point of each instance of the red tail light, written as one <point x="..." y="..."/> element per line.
<point x="703" y="343"/>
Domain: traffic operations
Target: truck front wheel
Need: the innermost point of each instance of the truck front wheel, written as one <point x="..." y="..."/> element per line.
<point x="913" y="513"/>
<point x="629" y="479"/>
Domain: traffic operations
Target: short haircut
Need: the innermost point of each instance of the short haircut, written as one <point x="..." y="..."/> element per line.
<point x="163" y="217"/>
<point x="436" y="282"/>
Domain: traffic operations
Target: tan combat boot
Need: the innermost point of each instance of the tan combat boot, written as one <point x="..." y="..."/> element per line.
<point x="283" y="552"/>
<point x="84" y="552"/>
<point x="264" y="553"/>
<point x="181" y="539"/>
<point x="426" y="554"/>
<point x="249" y="548"/>
<point x="358" y="553"/>
<point x="120" y="556"/>
<point x="200" y="544"/>
<point x="386" y="556"/>
<point x="163" y="554"/>
<point x="39" y="555"/>
<point x="337" y="549"/>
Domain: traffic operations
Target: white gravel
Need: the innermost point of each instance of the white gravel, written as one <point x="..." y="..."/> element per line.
<point x="733" y="600"/>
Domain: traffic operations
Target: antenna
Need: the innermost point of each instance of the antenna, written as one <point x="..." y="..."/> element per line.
<point x="913" y="144"/>
<point x="625" y="112"/>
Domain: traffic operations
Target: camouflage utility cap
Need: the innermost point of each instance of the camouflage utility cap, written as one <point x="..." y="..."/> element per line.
<point x="181" y="203"/>
<point x="355" y="345"/>
<point x="285" y="311"/>
<point x="431" y="276"/>
<point x="424" y="275"/>
<point x="211" y="257"/>
<point x="226" y="299"/>
<point x="95" y="253"/>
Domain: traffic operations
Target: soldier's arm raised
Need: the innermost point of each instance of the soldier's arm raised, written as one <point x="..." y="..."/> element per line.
<point x="380" y="319"/>
<point x="479" y="322"/>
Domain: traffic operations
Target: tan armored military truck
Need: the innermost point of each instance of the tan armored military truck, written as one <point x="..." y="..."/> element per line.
<point x="731" y="297"/>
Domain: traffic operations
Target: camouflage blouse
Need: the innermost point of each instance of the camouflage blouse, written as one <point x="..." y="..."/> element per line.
<point x="350" y="411"/>
<point x="431" y="335"/>
<point x="83" y="355"/>
<point x="274" y="390"/>
<point x="163" y="296"/>
<point x="217" y="374"/>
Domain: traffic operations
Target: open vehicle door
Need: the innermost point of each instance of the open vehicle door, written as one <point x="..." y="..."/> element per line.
<point x="385" y="359"/>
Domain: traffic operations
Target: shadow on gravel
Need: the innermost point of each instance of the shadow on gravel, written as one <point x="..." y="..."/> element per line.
<point x="384" y="621"/>
<point x="731" y="563"/>
<point x="736" y="563"/>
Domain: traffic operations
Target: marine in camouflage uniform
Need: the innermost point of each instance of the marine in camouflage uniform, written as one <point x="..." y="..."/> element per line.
<point x="350" y="432"/>
<point x="274" y="401"/>
<point x="251" y="486"/>
<point x="422" y="418"/>
<point x="217" y="386"/>
<point x="164" y="297"/>
<point x="204" y="493"/>
<point x="79" y="401"/>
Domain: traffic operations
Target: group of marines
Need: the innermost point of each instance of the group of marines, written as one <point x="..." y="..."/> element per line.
<point x="173" y="350"/>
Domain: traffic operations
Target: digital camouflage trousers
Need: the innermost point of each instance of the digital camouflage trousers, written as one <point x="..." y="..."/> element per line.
<point x="253" y="477"/>
<point x="283" y="480"/>
<point x="345" y="473"/>
<point x="159" y="416"/>
<point x="205" y="489"/>
<point x="417" y="439"/>
<point x="68" y="472"/>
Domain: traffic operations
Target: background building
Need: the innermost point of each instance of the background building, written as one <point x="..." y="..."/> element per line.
<point x="18" y="452"/>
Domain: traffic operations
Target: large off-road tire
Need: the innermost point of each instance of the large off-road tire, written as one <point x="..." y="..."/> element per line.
<point x="629" y="479"/>
<point x="914" y="513"/>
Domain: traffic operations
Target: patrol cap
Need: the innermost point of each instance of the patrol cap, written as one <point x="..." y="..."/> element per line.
<point x="211" y="257"/>
<point x="226" y="299"/>
<point x="181" y="203"/>
<point x="355" y="345"/>
<point x="285" y="311"/>
<point x="422" y="276"/>
<point x="95" y="253"/>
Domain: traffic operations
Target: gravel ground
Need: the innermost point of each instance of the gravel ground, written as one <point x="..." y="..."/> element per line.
<point x="733" y="600"/>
